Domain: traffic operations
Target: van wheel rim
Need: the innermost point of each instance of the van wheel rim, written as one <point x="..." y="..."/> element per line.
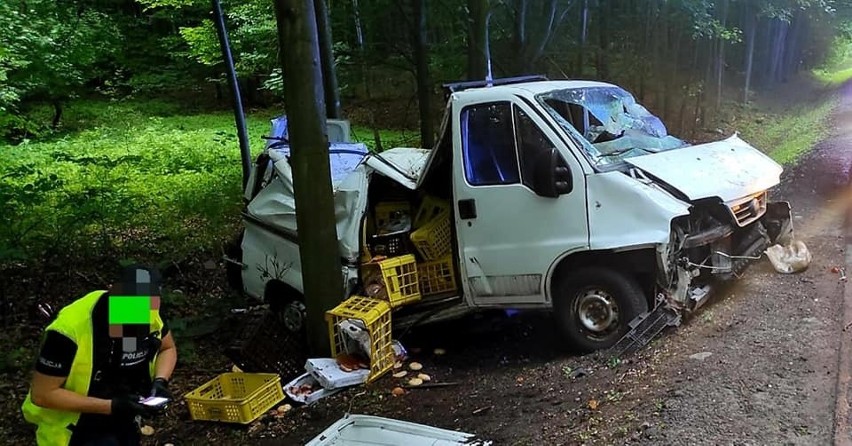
<point x="293" y="316"/>
<point x="597" y="311"/>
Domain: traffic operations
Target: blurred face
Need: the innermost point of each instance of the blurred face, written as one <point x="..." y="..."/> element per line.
<point x="131" y="308"/>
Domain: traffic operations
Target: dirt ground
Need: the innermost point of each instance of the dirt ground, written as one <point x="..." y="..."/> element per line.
<point x="756" y="365"/>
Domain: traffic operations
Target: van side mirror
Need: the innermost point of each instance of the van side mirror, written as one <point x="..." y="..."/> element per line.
<point x="552" y="177"/>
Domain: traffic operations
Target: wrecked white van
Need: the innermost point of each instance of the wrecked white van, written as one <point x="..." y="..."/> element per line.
<point x="564" y="195"/>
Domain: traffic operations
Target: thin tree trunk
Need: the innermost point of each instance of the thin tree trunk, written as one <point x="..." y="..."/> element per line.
<point x="57" y="113"/>
<point x="791" y="54"/>
<point x="778" y="45"/>
<point x="603" y="39"/>
<point x="329" y="75"/>
<point x="477" y="39"/>
<point x="751" y="36"/>
<point x="421" y="57"/>
<point x="646" y="49"/>
<point x="584" y="32"/>
<point x="317" y="230"/>
<point x="720" y="61"/>
<point x="520" y="35"/>
<point x="362" y="49"/>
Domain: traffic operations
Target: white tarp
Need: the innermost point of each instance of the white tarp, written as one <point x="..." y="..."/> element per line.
<point x="351" y="168"/>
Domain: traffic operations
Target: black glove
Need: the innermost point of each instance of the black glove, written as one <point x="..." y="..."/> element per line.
<point x="160" y="387"/>
<point x="128" y="406"/>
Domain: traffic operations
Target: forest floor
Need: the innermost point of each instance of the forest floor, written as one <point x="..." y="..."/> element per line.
<point x="757" y="365"/>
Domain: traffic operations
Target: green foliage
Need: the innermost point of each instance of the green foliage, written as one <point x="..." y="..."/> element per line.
<point x="787" y="136"/>
<point x="49" y="51"/>
<point x="131" y="184"/>
<point x="133" y="179"/>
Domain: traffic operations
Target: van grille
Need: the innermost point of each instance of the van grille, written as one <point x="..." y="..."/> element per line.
<point x="747" y="210"/>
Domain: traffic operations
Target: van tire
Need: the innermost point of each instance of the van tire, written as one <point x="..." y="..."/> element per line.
<point x="586" y="301"/>
<point x="233" y="272"/>
<point x="287" y="304"/>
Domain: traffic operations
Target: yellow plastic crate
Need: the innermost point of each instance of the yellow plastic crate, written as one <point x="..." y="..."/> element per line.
<point x="399" y="277"/>
<point x="437" y="276"/>
<point x="387" y="210"/>
<point x="376" y="316"/>
<point x="235" y="397"/>
<point x="434" y="239"/>
<point x="430" y="208"/>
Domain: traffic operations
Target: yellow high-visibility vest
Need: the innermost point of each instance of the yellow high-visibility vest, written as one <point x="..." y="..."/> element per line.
<point x="75" y="322"/>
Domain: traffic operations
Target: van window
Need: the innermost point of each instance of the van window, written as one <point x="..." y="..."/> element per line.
<point x="488" y="145"/>
<point x="533" y="146"/>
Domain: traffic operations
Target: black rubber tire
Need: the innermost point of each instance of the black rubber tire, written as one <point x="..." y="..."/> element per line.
<point x="625" y="291"/>
<point x="233" y="272"/>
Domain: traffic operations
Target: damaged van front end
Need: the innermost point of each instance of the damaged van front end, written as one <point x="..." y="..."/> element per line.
<point x="705" y="207"/>
<point x="731" y="220"/>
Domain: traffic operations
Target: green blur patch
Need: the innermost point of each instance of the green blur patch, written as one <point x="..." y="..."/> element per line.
<point x="126" y="310"/>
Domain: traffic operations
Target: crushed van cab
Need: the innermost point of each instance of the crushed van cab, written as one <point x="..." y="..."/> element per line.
<point x="561" y="195"/>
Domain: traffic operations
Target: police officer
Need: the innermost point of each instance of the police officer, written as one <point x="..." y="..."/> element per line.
<point x="99" y="358"/>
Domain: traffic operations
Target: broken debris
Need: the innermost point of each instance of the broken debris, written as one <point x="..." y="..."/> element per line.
<point x="792" y="258"/>
<point x="701" y="356"/>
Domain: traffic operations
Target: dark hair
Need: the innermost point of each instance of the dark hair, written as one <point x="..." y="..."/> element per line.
<point x="139" y="280"/>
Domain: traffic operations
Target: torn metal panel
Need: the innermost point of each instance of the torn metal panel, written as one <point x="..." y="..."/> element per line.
<point x="275" y="204"/>
<point x="403" y="165"/>
<point x="614" y="197"/>
<point x="729" y="169"/>
<point x="643" y="330"/>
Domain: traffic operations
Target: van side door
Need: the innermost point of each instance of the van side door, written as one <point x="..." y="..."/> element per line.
<point x="509" y="235"/>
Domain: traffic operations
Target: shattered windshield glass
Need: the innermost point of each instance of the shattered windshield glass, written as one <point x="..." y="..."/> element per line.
<point x="608" y="122"/>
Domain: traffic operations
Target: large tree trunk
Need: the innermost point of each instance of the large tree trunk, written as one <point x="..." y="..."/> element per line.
<point x="477" y="43"/>
<point x="319" y="254"/>
<point x="424" y="85"/>
<point x="329" y="74"/>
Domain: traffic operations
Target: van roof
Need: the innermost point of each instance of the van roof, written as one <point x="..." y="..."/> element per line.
<point x="531" y="88"/>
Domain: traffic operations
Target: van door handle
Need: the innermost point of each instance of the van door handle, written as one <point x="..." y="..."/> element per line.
<point x="467" y="209"/>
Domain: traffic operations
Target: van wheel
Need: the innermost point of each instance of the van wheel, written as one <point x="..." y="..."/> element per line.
<point x="593" y="307"/>
<point x="288" y="305"/>
<point x="234" y="272"/>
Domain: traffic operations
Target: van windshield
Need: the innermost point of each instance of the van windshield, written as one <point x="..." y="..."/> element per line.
<point x="608" y="122"/>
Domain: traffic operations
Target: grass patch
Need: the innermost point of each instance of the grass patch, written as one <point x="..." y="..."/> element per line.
<point x="834" y="78"/>
<point x="787" y="136"/>
<point x="133" y="179"/>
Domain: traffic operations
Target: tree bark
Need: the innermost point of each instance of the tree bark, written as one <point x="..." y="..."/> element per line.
<point x="604" y="10"/>
<point x="720" y="59"/>
<point x="57" y="113"/>
<point x="424" y="85"/>
<point x="789" y="66"/>
<point x="362" y="52"/>
<point x="329" y="74"/>
<point x="477" y="39"/>
<point x="584" y="32"/>
<point x="317" y="230"/>
<point x="750" y="35"/>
